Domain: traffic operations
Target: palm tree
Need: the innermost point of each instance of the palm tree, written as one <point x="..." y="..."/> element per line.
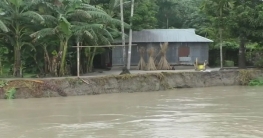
<point x="18" y="16"/>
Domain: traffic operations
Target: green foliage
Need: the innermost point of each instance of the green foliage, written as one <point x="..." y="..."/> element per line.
<point x="10" y="94"/>
<point x="3" y="27"/>
<point x="3" y="83"/>
<point x="18" y="15"/>
<point x="36" y="34"/>
<point x="144" y="14"/>
<point x="54" y="53"/>
<point x="174" y="13"/>
<point x="227" y="45"/>
<point x="256" y="82"/>
<point x="32" y="27"/>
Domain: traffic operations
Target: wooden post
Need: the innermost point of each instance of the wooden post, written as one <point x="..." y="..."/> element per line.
<point x="130" y="38"/>
<point x="78" y="59"/>
<point x="221" y="48"/>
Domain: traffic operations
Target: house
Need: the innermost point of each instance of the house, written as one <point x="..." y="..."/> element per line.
<point x="184" y="46"/>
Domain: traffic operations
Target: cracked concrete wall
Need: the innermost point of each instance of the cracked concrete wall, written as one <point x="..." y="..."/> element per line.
<point x="139" y="83"/>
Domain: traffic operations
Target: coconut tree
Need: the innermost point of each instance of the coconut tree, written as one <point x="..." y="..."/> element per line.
<point x="18" y="17"/>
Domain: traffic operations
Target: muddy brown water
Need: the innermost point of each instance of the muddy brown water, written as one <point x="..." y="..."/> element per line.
<point x="215" y="112"/>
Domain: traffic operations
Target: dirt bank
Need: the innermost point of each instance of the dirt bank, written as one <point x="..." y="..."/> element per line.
<point x="123" y="83"/>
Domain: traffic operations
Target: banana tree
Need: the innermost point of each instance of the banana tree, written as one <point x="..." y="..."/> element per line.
<point x="73" y="18"/>
<point x="3" y="50"/>
<point x="3" y="27"/>
<point x="70" y="14"/>
<point x="18" y="17"/>
<point x="102" y="32"/>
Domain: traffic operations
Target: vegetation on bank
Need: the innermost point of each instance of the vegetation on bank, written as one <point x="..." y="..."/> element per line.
<point x="33" y="87"/>
<point x="9" y="92"/>
<point x="256" y="82"/>
<point x="36" y="36"/>
<point x="248" y="78"/>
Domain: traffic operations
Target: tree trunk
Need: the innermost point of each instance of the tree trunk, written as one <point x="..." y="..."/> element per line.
<point x="242" y="53"/>
<point x="130" y="38"/>
<point x="48" y="65"/>
<point x="38" y="66"/>
<point x="87" y="54"/>
<point x="63" y="58"/>
<point x="90" y="59"/>
<point x="123" y="36"/>
<point x="17" y="63"/>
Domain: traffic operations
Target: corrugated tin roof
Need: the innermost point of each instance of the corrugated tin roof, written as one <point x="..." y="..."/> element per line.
<point x="167" y="35"/>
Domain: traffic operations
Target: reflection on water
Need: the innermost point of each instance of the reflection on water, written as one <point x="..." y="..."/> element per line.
<point x="215" y="112"/>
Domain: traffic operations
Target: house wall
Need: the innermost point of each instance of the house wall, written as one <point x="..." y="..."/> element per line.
<point x="197" y="50"/>
<point x="200" y="51"/>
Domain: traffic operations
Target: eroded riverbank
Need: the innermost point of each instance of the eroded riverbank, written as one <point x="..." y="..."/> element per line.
<point x="123" y="83"/>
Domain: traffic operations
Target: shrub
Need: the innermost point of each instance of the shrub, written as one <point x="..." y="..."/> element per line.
<point x="256" y="82"/>
<point x="10" y="94"/>
<point x="229" y="63"/>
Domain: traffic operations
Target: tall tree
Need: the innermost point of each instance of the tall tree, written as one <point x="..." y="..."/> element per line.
<point x="246" y="24"/>
<point x="218" y="10"/>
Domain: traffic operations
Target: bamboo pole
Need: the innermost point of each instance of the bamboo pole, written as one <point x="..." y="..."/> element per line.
<point x="106" y="46"/>
<point x="78" y="59"/>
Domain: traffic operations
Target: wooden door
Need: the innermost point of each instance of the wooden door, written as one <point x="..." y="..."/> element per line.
<point x="183" y="51"/>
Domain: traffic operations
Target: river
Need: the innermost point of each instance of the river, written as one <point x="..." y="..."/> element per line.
<point x="213" y="112"/>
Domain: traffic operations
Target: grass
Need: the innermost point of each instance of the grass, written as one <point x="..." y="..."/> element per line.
<point x="256" y="82"/>
<point x="10" y="94"/>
